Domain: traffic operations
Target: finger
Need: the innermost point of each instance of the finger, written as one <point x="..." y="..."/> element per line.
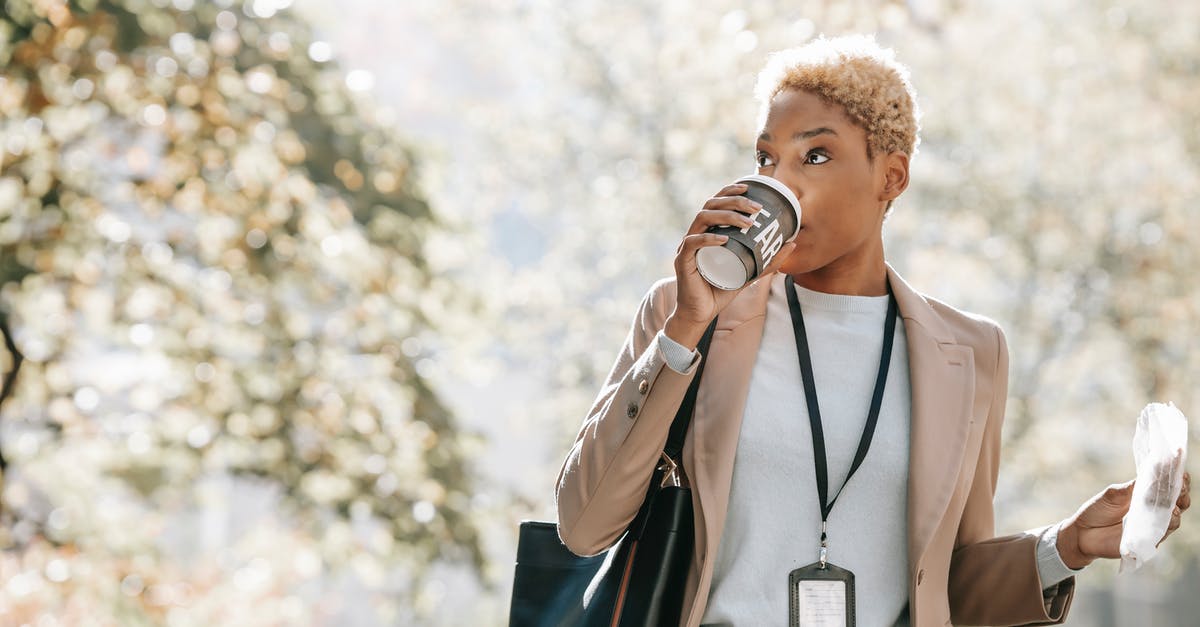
<point x="737" y="211"/>
<point x="708" y="219"/>
<point x="1176" y="519"/>
<point x="1119" y="492"/>
<point x="685" y="261"/>
<point x="738" y="203"/>
<point x="721" y="202"/>
<point x="733" y="189"/>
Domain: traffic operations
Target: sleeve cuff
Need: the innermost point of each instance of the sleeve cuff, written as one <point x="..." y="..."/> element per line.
<point x="1050" y="566"/>
<point x="677" y="356"/>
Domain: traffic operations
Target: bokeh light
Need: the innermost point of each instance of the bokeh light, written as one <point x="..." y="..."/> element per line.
<point x="310" y="298"/>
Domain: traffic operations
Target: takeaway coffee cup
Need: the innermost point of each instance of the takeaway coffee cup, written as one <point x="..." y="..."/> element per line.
<point x="749" y="250"/>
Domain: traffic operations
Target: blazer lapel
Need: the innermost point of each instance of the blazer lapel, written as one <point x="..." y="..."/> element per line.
<point x="942" y="375"/>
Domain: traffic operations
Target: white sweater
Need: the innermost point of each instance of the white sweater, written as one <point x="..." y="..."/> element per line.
<point x="773" y="524"/>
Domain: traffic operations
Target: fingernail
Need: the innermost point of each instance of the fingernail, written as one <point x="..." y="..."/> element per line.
<point x="756" y="204"/>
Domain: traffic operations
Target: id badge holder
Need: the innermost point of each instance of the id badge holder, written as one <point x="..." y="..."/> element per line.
<point x="821" y="596"/>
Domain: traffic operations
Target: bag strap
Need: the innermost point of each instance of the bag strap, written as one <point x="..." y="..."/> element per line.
<point x="679" y="426"/>
<point x="683" y="417"/>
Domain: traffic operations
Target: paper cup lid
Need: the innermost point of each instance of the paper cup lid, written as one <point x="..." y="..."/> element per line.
<point x="721" y="267"/>
<point x="778" y="186"/>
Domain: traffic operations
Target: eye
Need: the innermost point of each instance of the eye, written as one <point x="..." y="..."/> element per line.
<point x="816" y="157"/>
<point x="763" y="160"/>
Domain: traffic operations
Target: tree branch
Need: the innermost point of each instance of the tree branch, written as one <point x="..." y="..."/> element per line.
<point x="6" y="387"/>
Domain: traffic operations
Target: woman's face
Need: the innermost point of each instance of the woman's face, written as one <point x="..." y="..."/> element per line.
<point x="814" y="148"/>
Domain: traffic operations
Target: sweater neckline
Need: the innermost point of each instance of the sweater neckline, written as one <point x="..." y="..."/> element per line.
<point x="842" y="303"/>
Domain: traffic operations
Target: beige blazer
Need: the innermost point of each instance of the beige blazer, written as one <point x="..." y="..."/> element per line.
<point x="958" y="367"/>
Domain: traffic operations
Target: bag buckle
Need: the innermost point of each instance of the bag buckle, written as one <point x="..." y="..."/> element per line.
<point x="673" y="475"/>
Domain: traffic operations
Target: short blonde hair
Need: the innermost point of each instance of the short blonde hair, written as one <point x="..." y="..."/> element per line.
<point x="856" y="73"/>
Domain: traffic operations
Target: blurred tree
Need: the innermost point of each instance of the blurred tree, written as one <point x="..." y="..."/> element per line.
<point x="211" y="257"/>
<point x="9" y="366"/>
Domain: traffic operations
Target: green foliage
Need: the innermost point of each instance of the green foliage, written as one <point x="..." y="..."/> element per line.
<point x="211" y="254"/>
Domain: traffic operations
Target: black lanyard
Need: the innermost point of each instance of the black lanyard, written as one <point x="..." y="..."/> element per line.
<point x="814" y="410"/>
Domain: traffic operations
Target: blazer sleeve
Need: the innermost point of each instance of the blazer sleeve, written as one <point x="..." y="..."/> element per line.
<point x="994" y="581"/>
<point x="607" y="471"/>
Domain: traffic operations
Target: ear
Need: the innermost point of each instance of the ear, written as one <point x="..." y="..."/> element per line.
<point x="895" y="175"/>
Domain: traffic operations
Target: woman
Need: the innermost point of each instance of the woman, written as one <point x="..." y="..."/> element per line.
<point x="914" y="523"/>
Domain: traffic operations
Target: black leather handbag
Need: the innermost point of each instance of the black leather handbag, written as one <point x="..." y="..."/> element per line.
<point x="640" y="580"/>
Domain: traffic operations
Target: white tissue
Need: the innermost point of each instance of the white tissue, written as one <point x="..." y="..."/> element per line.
<point x="1160" y="453"/>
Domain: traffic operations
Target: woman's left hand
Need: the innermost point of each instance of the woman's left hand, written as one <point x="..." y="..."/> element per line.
<point x="1095" y="530"/>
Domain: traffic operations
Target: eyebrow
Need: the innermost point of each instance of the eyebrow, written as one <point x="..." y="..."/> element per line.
<point x="823" y="130"/>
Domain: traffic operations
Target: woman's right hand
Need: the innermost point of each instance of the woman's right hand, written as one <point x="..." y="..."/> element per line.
<point x="698" y="301"/>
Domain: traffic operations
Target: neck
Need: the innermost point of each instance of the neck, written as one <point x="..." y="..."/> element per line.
<point x="865" y="278"/>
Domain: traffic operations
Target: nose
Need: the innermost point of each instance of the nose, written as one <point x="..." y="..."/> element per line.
<point x="789" y="184"/>
<point x="771" y="172"/>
